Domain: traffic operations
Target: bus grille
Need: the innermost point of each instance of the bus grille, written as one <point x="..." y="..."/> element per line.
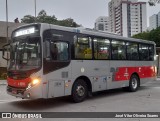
<point x="17" y="76"/>
<point x="17" y="90"/>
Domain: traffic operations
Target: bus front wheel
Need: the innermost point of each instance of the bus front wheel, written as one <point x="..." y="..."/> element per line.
<point x="133" y="83"/>
<point x="79" y="91"/>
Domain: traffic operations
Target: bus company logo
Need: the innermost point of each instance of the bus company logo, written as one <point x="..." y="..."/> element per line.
<point x="6" y="115"/>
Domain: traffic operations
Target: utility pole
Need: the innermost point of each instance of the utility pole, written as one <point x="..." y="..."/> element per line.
<point x="7" y="40"/>
<point x="7" y="20"/>
<point x="35" y="3"/>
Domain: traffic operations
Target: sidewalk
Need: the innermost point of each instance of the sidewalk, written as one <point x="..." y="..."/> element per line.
<point x="3" y="82"/>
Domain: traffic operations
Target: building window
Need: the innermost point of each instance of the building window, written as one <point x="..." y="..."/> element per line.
<point x="101" y="27"/>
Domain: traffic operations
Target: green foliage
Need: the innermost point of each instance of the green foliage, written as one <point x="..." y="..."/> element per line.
<point x="28" y="19"/>
<point x="153" y="35"/>
<point x="144" y="35"/>
<point x="68" y="22"/>
<point x="44" y="18"/>
<point x="153" y="2"/>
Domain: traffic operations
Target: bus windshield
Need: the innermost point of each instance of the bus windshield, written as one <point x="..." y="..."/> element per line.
<point x="25" y="54"/>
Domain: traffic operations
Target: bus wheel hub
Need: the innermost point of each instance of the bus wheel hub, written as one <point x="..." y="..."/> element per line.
<point x="80" y="91"/>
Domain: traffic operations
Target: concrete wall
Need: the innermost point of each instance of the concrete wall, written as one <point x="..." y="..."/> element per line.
<point x="3" y="63"/>
<point x="3" y="31"/>
<point x="3" y="35"/>
<point x="11" y="27"/>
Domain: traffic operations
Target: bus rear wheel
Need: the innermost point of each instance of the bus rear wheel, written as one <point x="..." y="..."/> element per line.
<point x="133" y="83"/>
<point x="79" y="91"/>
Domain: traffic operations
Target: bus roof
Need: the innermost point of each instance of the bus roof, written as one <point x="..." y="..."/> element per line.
<point x="92" y="32"/>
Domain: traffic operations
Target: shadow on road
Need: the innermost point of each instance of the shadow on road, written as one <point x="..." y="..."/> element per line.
<point x="45" y="104"/>
<point x="115" y="92"/>
<point x="41" y="104"/>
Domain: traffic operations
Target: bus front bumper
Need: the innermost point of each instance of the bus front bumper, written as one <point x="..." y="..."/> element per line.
<point x="32" y="93"/>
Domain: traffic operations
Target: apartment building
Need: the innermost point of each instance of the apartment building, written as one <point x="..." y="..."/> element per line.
<point x="154" y="21"/>
<point x="127" y="17"/>
<point x="102" y="23"/>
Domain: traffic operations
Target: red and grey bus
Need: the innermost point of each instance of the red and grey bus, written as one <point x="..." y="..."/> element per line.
<point x="48" y="61"/>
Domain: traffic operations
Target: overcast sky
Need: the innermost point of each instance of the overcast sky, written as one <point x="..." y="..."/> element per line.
<point x="83" y="12"/>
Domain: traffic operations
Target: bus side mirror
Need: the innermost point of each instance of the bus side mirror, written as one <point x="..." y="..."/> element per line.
<point x="5" y="52"/>
<point x="46" y="50"/>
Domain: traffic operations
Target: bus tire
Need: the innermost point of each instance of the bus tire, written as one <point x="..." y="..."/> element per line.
<point x="133" y="83"/>
<point x="79" y="91"/>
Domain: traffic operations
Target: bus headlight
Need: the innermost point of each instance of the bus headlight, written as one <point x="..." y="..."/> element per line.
<point x="33" y="83"/>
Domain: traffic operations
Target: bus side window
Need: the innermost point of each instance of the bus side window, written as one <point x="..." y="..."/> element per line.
<point x="46" y="50"/>
<point x="101" y="48"/>
<point x="151" y="52"/>
<point x="132" y="51"/>
<point x="83" y="48"/>
<point x="118" y="50"/>
<point x="59" y="51"/>
<point x="54" y="51"/>
<point x="144" y="52"/>
<point x="64" y="50"/>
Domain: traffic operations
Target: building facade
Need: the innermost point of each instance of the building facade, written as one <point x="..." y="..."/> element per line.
<point x="112" y="13"/>
<point x="127" y="17"/>
<point x="4" y="40"/>
<point x="158" y="19"/>
<point x="3" y="31"/>
<point x="102" y="23"/>
<point x="154" y="21"/>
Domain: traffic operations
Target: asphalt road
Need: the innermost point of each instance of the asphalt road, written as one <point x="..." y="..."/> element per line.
<point x="146" y="99"/>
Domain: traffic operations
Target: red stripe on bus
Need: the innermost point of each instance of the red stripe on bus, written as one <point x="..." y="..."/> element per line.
<point x="19" y="83"/>
<point x="124" y="73"/>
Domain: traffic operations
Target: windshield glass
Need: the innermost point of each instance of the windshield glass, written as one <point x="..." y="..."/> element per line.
<point x="25" y="54"/>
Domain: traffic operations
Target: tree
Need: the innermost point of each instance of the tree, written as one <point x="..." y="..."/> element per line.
<point x="28" y="19"/>
<point x="42" y="13"/>
<point x="68" y="22"/>
<point x="153" y="35"/>
<point x="44" y="18"/>
<point x="144" y="35"/>
<point x="153" y="2"/>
